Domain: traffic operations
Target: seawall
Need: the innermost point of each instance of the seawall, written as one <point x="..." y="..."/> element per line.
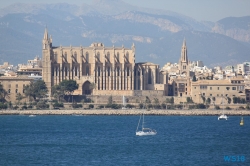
<point x="125" y="112"/>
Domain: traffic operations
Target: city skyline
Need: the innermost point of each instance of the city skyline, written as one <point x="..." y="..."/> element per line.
<point x="200" y="10"/>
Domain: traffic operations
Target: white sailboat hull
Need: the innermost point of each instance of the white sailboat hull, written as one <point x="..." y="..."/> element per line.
<point x="222" y="117"/>
<point x="142" y="133"/>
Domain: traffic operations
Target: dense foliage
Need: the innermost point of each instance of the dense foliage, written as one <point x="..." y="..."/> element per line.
<point x="36" y="90"/>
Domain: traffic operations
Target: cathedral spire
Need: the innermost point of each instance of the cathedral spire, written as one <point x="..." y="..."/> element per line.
<point x="184" y="57"/>
<point x="46" y="34"/>
<point x="184" y="43"/>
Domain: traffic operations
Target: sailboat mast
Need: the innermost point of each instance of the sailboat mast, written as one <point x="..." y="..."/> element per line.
<point x="143" y="120"/>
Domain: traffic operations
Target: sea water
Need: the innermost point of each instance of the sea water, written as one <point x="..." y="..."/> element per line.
<point x="111" y="140"/>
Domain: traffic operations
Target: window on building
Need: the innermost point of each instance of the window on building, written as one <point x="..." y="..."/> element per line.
<point x="108" y="71"/>
<point x="149" y="76"/>
<point x="87" y="70"/>
<point x="233" y="88"/>
<point x="9" y="91"/>
<point x="211" y="95"/>
<point x="66" y="71"/>
<point x="65" y="56"/>
<point x="98" y="56"/>
<point x="55" y="56"/>
<point x="108" y="56"/>
<point x="210" y="88"/>
<point x="127" y="71"/>
<point x="16" y="85"/>
<point x="16" y="90"/>
<point x="227" y="88"/>
<point x="127" y="56"/>
<point x="118" y="57"/>
<point x="203" y="94"/>
<point x="99" y="71"/>
<point x="218" y="88"/>
<point x="87" y="57"/>
<point x="75" y="70"/>
<point x="75" y="55"/>
<point x="118" y="71"/>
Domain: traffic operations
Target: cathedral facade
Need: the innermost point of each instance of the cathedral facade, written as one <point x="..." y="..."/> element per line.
<point x="99" y="70"/>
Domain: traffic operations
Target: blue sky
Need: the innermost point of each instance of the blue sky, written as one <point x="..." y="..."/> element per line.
<point x="208" y="10"/>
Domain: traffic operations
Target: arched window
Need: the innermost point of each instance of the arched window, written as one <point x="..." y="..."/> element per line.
<point x="75" y="55"/>
<point x="75" y="70"/>
<point x="118" y="71"/>
<point x="127" y="56"/>
<point x="118" y="57"/>
<point x="65" y="56"/>
<point x="55" y="56"/>
<point x="98" y="56"/>
<point x="127" y="71"/>
<point x="99" y="71"/>
<point x="66" y="71"/>
<point x="108" y="71"/>
<point x="87" y="70"/>
<point x="108" y="56"/>
<point x="9" y="91"/>
<point x="56" y="71"/>
<point x="16" y="90"/>
<point x="149" y="76"/>
<point x="87" y="57"/>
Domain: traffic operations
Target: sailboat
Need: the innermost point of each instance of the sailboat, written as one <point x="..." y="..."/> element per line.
<point x="223" y="116"/>
<point x="144" y="131"/>
<point x="241" y="121"/>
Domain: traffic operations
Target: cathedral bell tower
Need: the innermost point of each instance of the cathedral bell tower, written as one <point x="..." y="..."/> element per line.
<point x="46" y="58"/>
<point x="183" y="62"/>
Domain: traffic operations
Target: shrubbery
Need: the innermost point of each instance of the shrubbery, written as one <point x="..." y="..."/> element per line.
<point x="75" y="105"/>
<point x="58" y="105"/>
<point x="114" y="106"/>
<point x="3" y="106"/>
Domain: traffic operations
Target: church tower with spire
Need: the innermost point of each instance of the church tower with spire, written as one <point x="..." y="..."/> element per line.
<point x="46" y="57"/>
<point x="183" y="62"/>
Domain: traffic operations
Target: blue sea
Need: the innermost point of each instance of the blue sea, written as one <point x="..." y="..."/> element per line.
<point x="111" y="140"/>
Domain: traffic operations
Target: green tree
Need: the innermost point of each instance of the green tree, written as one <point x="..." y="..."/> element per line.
<point x="68" y="86"/>
<point x="156" y="100"/>
<point x="19" y="97"/>
<point x="213" y="98"/>
<point x="208" y="101"/>
<point x="189" y="100"/>
<point x="57" y="92"/>
<point x="235" y="100"/>
<point x="172" y="100"/>
<point x="36" y="90"/>
<point x="148" y="100"/>
<point x="92" y="86"/>
<point x="3" y="93"/>
<point x="203" y="99"/>
<point x="229" y="100"/>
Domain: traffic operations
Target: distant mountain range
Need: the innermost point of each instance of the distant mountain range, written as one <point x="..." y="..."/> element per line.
<point x="157" y="34"/>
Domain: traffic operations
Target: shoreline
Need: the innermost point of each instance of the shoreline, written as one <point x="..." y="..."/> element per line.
<point x="127" y="112"/>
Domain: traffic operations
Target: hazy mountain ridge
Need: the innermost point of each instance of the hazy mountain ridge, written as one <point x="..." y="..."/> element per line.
<point x="158" y="35"/>
<point x="237" y="28"/>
